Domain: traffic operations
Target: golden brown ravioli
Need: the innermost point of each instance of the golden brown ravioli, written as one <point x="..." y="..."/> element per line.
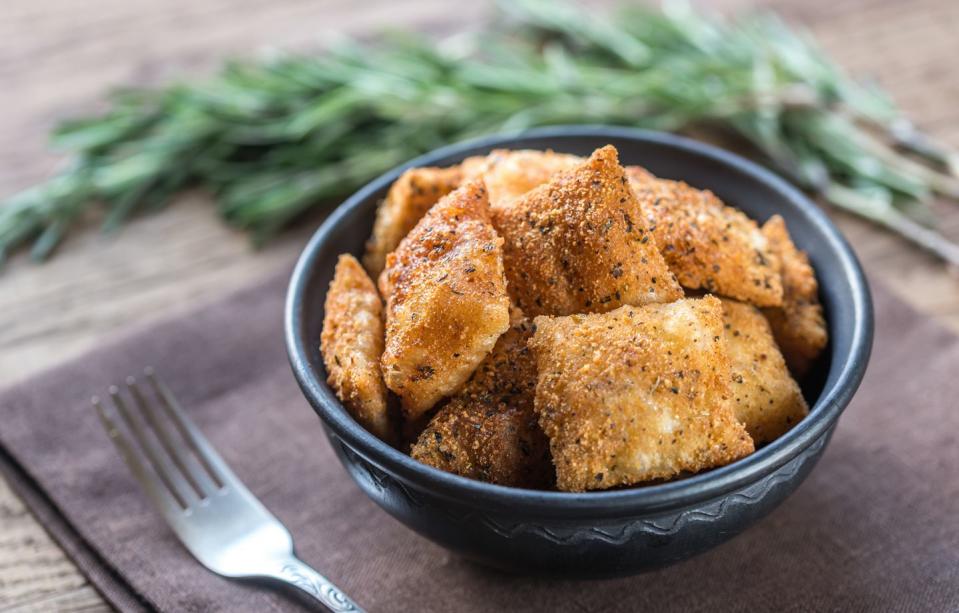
<point x="707" y="244"/>
<point x="636" y="394"/>
<point x="407" y="201"/>
<point x="446" y="301"/>
<point x="766" y="398"/>
<point x="351" y="344"/>
<point x="578" y="243"/>
<point x="798" y="325"/>
<point x="510" y="174"/>
<point x="489" y="431"/>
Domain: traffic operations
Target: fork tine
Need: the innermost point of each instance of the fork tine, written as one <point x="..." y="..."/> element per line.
<point x="211" y="460"/>
<point x="134" y="427"/>
<point x="175" y="450"/>
<point x="164" y="498"/>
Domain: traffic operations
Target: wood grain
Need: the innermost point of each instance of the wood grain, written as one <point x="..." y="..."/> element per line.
<point x="58" y="57"/>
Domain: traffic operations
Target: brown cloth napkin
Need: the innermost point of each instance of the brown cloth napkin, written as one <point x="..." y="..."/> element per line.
<point x="876" y="526"/>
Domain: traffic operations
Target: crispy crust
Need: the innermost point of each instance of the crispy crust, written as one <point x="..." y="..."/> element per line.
<point x="767" y="399"/>
<point x="638" y="174"/>
<point x="706" y="244"/>
<point x="578" y="244"/>
<point x="446" y="301"/>
<point x="636" y="394"/>
<point x="510" y="174"/>
<point x="409" y="198"/>
<point x="507" y="174"/>
<point x="799" y="325"/>
<point x="474" y="166"/>
<point x="351" y="344"/>
<point x="489" y="430"/>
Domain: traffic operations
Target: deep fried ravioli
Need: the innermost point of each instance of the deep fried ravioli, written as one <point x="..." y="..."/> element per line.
<point x="579" y="243"/>
<point x="767" y="399"/>
<point x="636" y="394"/>
<point x="638" y="173"/>
<point x="409" y="198"/>
<point x="446" y="301"/>
<point x="799" y="325"/>
<point x="351" y="344"/>
<point x="707" y="244"/>
<point x="510" y="174"/>
<point x="489" y="430"/>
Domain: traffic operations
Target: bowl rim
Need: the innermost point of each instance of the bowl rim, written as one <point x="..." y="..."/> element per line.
<point x="703" y="486"/>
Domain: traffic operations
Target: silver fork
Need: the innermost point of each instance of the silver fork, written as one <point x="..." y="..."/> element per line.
<point x="210" y="510"/>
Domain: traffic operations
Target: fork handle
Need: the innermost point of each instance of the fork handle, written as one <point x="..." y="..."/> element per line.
<point x="298" y="574"/>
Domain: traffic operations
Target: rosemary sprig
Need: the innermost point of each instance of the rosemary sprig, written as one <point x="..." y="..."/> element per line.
<point x="274" y="137"/>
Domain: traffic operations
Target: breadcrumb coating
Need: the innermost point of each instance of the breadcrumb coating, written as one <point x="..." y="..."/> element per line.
<point x="446" y="301"/>
<point x="351" y="344"/>
<point x="798" y="325"/>
<point x="767" y="399"/>
<point x="636" y="394"/>
<point x="489" y="430"/>
<point x="707" y="244"/>
<point x="638" y="173"/>
<point x="407" y="201"/>
<point x="578" y="243"/>
<point x="509" y="174"/>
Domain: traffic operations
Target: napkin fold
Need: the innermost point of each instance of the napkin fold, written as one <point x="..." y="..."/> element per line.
<point x="876" y="525"/>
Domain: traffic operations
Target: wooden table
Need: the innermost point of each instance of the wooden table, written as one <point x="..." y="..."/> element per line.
<point x="57" y="57"/>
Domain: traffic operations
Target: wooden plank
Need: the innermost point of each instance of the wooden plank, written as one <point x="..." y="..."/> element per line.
<point x="57" y="57"/>
<point x="32" y="567"/>
<point x="83" y="599"/>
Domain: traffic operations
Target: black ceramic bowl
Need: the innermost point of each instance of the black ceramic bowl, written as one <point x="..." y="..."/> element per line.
<point x="598" y="533"/>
